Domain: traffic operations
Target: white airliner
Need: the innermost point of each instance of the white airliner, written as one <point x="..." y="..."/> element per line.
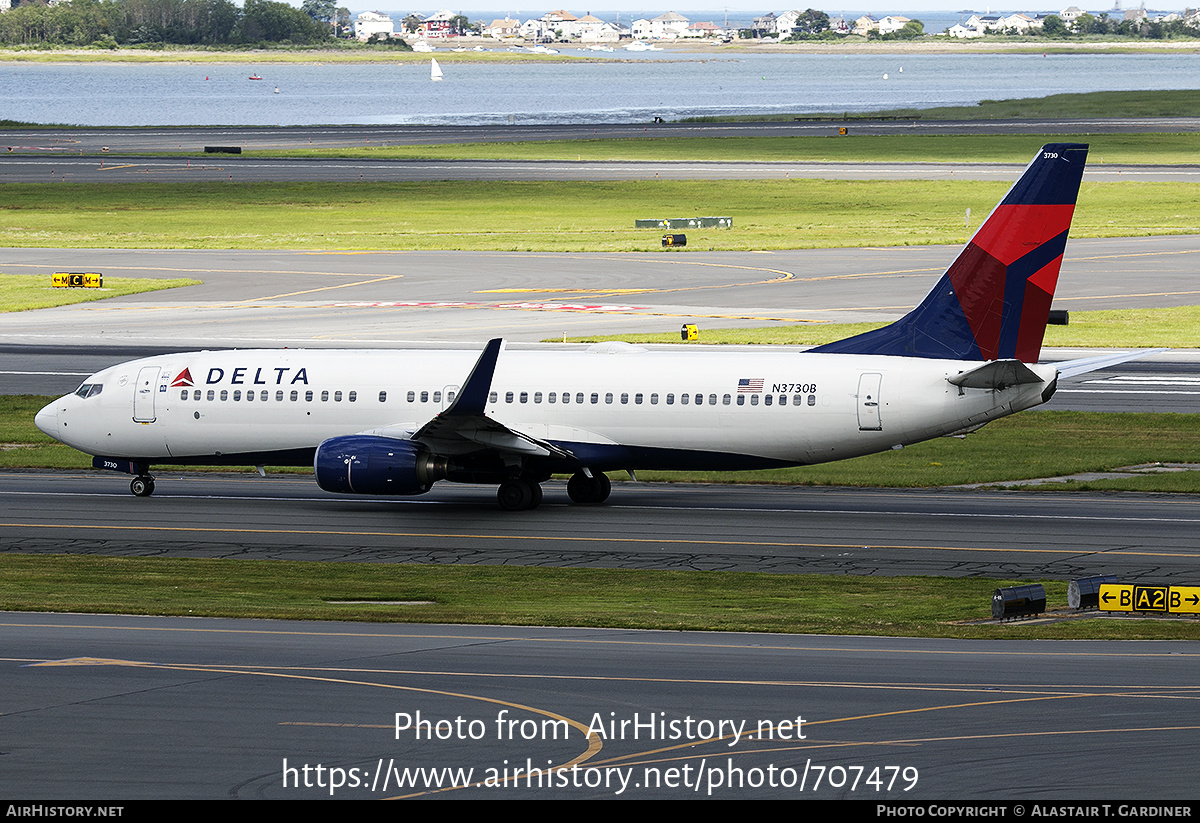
<point x="396" y="422"/>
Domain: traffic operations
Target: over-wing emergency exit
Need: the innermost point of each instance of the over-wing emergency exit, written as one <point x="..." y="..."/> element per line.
<point x="396" y="422"/>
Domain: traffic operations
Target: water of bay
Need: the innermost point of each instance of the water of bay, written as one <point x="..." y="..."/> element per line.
<point x="608" y="91"/>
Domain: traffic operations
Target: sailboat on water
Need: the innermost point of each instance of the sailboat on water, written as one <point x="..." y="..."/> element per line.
<point x="435" y="71"/>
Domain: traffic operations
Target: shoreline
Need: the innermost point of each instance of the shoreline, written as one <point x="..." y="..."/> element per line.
<point x="498" y="51"/>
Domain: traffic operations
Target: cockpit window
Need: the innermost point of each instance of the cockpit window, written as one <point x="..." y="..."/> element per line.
<point x="89" y="389"/>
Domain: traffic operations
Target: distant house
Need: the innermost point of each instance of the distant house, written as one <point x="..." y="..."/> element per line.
<point x="437" y="24"/>
<point x="505" y="27"/>
<point x="1019" y="22"/>
<point x="561" y="24"/>
<point x="1070" y="14"/>
<point x="964" y="32"/>
<point x="986" y="22"/>
<point x="535" y="30"/>
<point x="892" y="23"/>
<point x="785" y="23"/>
<point x="704" y="29"/>
<point x="591" y="29"/>
<point x="371" y="23"/>
<point x="865" y="24"/>
<point x="1136" y="17"/>
<point x="764" y="26"/>
<point x="669" y="26"/>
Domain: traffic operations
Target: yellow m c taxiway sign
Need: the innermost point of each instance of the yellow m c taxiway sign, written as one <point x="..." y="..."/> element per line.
<point x="1159" y="599"/>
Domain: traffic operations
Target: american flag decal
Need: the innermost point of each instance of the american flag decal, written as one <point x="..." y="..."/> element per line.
<point x="750" y="385"/>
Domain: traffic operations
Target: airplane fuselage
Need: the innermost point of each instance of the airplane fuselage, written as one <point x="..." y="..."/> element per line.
<point x="614" y="406"/>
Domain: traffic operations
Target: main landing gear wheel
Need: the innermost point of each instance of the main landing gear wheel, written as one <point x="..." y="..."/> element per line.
<point x="519" y="494"/>
<point x="142" y="486"/>
<point x="588" y="491"/>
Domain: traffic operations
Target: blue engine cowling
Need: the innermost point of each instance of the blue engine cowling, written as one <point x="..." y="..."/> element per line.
<point x="365" y="464"/>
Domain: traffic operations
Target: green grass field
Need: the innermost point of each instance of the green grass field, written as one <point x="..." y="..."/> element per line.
<point x="560" y="217"/>
<point x="1141" y="103"/>
<point x="915" y="148"/>
<point x="21" y="292"/>
<point x="694" y="601"/>
<point x="1177" y="327"/>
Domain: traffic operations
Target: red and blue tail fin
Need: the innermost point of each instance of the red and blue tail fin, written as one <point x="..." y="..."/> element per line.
<point x="994" y="300"/>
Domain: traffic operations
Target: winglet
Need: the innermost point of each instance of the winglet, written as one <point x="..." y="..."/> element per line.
<point x="994" y="300"/>
<point x="472" y="397"/>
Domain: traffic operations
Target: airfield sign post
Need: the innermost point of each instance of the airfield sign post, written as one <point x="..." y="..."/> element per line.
<point x="1153" y="599"/>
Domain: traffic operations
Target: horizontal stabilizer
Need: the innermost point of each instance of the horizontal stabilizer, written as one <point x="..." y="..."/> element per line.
<point x="1071" y="368"/>
<point x="996" y="375"/>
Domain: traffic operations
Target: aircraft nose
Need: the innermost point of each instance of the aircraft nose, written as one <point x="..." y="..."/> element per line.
<point x="47" y="420"/>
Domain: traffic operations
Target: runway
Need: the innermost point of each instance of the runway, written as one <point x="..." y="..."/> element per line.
<point x="781" y="529"/>
<point x="316" y="298"/>
<point x="121" y="708"/>
<point x="178" y="154"/>
<point x="224" y="168"/>
<point x="116" y="141"/>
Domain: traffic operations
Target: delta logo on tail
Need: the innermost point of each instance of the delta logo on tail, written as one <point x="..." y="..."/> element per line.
<point x="994" y="300"/>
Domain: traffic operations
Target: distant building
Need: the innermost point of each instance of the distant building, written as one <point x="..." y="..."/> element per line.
<point x="986" y="22"/>
<point x="536" y="30"/>
<point x="964" y="32"/>
<point x="892" y="23"/>
<point x="764" y="26"/>
<point x="785" y="23"/>
<point x="503" y="28"/>
<point x="839" y="25"/>
<point x="1020" y="22"/>
<point x="865" y="24"/>
<point x="671" y="25"/>
<point x="704" y="29"/>
<point x="589" y="29"/>
<point x="1136" y="17"/>
<point x="369" y="24"/>
<point x="1070" y="14"/>
<point x="437" y="24"/>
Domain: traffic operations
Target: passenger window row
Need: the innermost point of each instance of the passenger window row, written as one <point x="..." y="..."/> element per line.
<point x="653" y="398"/>
<point x="264" y="395"/>
<point x="565" y="398"/>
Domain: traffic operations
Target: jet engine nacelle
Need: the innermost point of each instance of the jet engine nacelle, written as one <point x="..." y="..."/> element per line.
<point x="365" y="464"/>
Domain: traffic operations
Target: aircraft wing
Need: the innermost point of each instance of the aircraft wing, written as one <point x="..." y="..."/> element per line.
<point x="465" y="422"/>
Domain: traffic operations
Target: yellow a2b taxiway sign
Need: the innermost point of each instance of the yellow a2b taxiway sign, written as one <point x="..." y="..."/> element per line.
<point x="1159" y="599"/>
